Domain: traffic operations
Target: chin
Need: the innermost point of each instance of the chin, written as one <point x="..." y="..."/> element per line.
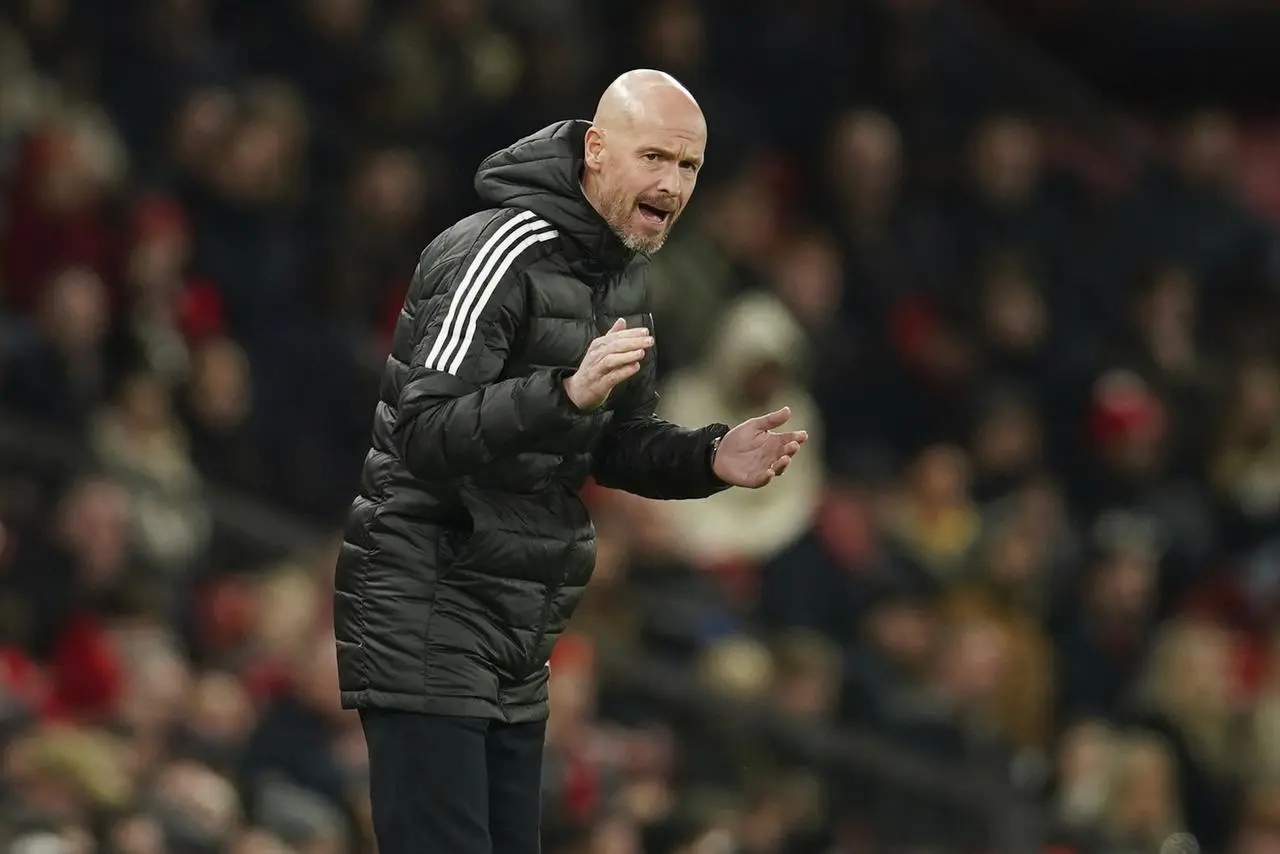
<point x="644" y="244"/>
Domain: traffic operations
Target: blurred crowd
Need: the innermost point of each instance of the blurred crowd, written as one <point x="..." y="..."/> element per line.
<point x="1036" y="537"/>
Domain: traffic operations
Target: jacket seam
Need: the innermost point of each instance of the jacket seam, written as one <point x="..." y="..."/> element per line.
<point x="362" y="609"/>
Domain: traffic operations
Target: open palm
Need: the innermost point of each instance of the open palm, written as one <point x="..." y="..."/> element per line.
<point x="751" y="454"/>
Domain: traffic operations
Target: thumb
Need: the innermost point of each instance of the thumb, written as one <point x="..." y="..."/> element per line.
<point x="773" y="420"/>
<point x="618" y="325"/>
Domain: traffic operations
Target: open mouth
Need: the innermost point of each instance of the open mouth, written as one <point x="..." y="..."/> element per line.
<point x="654" y="215"/>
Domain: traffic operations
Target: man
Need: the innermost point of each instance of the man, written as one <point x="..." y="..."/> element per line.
<point x="521" y="365"/>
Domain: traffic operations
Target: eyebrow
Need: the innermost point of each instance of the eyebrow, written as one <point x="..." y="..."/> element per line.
<point x="667" y="152"/>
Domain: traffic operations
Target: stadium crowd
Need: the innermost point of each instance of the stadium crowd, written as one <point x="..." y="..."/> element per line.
<point x="1039" y="534"/>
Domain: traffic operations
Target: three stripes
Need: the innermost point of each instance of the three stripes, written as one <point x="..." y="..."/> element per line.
<point x="491" y="263"/>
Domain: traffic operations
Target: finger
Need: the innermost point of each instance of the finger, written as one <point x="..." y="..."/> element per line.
<point x="624" y="334"/>
<point x="790" y="449"/>
<point x="622" y="345"/>
<point x="772" y="420"/>
<point x="617" y="360"/>
<point x="799" y="437"/>
<point x="618" y="325"/>
<point x="780" y="465"/>
<point x="617" y="375"/>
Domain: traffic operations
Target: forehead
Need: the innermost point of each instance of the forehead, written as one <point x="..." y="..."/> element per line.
<point x="676" y="128"/>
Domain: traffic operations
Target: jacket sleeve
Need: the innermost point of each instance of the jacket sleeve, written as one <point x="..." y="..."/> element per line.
<point x="646" y="455"/>
<point x="455" y="416"/>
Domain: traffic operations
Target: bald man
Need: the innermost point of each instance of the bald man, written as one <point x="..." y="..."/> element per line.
<point x="522" y="365"/>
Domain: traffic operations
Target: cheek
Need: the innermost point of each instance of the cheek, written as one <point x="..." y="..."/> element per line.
<point x="626" y="197"/>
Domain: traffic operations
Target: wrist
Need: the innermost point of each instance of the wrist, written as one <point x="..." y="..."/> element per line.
<point x="566" y="385"/>
<point x="713" y="456"/>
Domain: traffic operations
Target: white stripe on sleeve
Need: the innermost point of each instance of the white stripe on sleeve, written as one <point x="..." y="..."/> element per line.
<point x="451" y="318"/>
<point x="478" y="284"/>
<point x="473" y="317"/>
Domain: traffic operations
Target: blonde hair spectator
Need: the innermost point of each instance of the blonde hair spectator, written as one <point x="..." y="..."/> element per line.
<point x="1188" y="684"/>
<point x="1142" y="810"/>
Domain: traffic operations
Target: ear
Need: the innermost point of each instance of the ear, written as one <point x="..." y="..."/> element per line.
<point x="593" y="148"/>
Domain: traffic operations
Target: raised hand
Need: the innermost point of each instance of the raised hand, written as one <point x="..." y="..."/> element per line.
<point x="751" y="454"/>
<point x="613" y="357"/>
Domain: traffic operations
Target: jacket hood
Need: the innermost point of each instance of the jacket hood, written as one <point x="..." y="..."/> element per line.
<point x="542" y="173"/>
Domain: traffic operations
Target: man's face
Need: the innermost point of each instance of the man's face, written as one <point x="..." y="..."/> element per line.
<point x="645" y="173"/>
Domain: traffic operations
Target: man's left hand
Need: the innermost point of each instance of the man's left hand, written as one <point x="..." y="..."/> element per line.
<point x="751" y="454"/>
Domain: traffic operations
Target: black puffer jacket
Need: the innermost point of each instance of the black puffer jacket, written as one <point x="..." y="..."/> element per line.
<point x="468" y="547"/>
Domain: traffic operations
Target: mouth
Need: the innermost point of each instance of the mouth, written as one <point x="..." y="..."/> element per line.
<point x="654" y="215"/>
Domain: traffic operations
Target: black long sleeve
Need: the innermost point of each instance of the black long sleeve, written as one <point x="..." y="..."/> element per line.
<point x="646" y="455"/>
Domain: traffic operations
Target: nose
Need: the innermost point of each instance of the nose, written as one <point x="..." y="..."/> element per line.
<point x="670" y="182"/>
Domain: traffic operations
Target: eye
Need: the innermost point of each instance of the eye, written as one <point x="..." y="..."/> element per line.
<point x="689" y="165"/>
<point x="652" y="156"/>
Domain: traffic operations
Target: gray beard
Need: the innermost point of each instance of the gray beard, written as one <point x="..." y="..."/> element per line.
<point x="639" y="245"/>
<point x="635" y="244"/>
<point x="615" y="213"/>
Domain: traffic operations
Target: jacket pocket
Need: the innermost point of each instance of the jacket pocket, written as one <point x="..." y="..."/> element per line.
<point x="455" y="541"/>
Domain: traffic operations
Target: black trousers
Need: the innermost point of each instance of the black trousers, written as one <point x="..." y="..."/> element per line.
<point x="449" y="785"/>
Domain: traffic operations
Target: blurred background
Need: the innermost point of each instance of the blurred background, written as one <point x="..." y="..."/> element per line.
<point x="1013" y="265"/>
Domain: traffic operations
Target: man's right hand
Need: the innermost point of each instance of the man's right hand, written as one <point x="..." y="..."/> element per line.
<point x="611" y="358"/>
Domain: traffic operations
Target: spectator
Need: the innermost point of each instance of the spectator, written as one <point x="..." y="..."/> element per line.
<point x="1010" y="588"/>
<point x="886" y="673"/>
<point x="1004" y="206"/>
<point x="807" y="674"/>
<point x="137" y="439"/>
<point x="1008" y="446"/>
<point x="61" y="374"/>
<point x="1104" y="635"/>
<point x="1189" y="697"/>
<point x="935" y="523"/>
<point x="1085" y="775"/>
<point x="757" y="363"/>
<point x="71" y="571"/>
<point x="58" y="215"/>
<point x="215" y="407"/>
<point x="167" y="310"/>
<point x="890" y="245"/>
<point x="1246" y="461"/>
<point x="1144" y="804"/>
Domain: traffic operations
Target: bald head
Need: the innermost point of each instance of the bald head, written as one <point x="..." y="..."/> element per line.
<point x="642" y="156"/>
<point x="645" y="95"/>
